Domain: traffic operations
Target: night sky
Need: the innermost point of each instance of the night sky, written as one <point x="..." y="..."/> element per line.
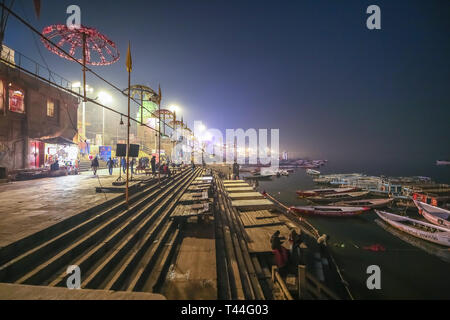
<point x="335" y="89"/>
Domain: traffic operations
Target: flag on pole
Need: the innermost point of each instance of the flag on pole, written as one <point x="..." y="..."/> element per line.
<point x="129" y="61"/>
<point x="159" y="94"/>
<point x="37" y="8"/>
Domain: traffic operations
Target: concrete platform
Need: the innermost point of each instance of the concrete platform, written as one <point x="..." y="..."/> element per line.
<point x="239" y="189"/>
<point x="33" y="205"/>
<point x="232" y="181"/>
<point x="249" y="205"/>
<point x="193" y="273"/>
<point x="260" y="237"/>
<point x="245" y="196"/>
<point x="207" y="178"/>
<point x="259" y="218"/>
<point x="236" y="185"/>
<point x="25" y="292"/>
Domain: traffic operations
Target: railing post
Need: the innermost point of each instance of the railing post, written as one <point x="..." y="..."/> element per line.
<point x="301" y="281"/>
<point x="274" y="270"/>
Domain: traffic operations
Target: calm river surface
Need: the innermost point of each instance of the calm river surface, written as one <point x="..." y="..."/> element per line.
<point x="407" y="271"/>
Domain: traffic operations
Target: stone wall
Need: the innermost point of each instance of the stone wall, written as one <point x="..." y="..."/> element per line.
<point x="16" y="130"/>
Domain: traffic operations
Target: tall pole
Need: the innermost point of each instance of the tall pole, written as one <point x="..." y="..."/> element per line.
<point x="142" y="107"/>
<point x="103" y="126"/>
<point x="128" y="137"/>
<point x="84" y="67"/>
<point x="159" y="139"/>
<point x="129" y="64"/>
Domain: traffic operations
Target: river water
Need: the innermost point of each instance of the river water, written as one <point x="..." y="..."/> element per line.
<point x="407" y="271"/>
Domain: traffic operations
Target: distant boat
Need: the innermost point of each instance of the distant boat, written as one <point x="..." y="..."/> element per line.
<point x="330" y="211"/>
<point x="371" y="203"/>
<point x="318" y="192"/>
<point x="438" y="216"/>
<point x="339" y="196"/>
<point x="442" y="162"/>
<point x="312" y="172"/>
<point x="260" y="176"/>
<point x="419" y="229"/>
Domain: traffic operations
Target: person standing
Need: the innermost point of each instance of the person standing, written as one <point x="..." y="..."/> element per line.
<point x="95" y="165"/>
<point x="153" y="165"/>
<point x="132" y="165"/>
<point x="236" y="170"/>
<point x="110" y="165"/>
<point x="124" y="165"/>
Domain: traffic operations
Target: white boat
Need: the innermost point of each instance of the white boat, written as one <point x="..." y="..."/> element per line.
<point x="312" y="172"/>
<point x="419" y="229"/>
<point x="435" y="215"/>
<point x="442" y="163"/>
<point x="429" y="247"/>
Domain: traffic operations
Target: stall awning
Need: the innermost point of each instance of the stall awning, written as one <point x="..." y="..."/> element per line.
<point x="57" y="140"/>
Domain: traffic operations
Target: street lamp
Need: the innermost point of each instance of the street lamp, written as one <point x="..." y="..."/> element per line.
<point x="174" y="108"/>
<point x="77" y="85"/>
<point x="104" y="98"/>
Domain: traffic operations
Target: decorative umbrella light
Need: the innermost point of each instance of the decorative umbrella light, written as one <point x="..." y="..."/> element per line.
<point x="143" y="94"/>
<point x="98" y="49"/>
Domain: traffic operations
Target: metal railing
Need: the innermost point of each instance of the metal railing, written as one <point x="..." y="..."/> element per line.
<point x="17" y="59"/>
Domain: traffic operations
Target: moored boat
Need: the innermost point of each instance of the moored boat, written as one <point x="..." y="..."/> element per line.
<point x="442" y="162"/>
<point x="312" y="172"/>
<point x="419" y="229"/>
<point x="329" y="211"/>
<point x="318" y="192"/>
<point x="339" y="196"/>
<point x="371" y="203"/>
<point x="260" y="176"/>
<point x="435" y="215"/>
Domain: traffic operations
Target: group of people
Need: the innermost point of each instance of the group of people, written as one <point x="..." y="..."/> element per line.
<point x="292" y="256"/>
<point x="142" y="165"/>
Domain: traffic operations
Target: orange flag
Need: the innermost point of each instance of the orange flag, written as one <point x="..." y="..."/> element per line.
<point x="159" y="94"/>
<point x="37" y="8"/>
<point x="129" y="61"/>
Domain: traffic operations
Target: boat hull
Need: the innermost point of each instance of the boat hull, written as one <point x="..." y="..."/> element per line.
<point x="371" y="203"/>
<point x="442" y="237"/>
<point x="426" y="211"/>
<point x="339" y="197"/>
<point x="327" y="211"/>
<point x="317" y="192"/>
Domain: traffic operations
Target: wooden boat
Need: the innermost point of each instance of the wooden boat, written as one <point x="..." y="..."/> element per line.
<point x="419" y="229"/>
<point x="339" y="196"/>
<point x="312" y="172"/>
<point x="438" y="216"/>
<point x="371" y="203"/>
<point x="318" y="192"/>
<point x="330" y="211"/>
<point x="259" y="176"/>
<point x="429" y="247"/>
<point x="442" y="162"/>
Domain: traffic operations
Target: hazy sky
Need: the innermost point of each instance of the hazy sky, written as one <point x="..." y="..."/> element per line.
<point x="310" y="68"/>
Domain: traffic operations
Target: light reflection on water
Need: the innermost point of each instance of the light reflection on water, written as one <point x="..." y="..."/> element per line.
<point x="407" y="272"/>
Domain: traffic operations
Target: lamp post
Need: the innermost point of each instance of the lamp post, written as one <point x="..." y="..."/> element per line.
<point x="105" y="98"/>
<point x="89" y="89"/>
